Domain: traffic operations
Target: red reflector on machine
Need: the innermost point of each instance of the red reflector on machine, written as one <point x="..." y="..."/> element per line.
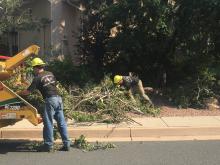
<point x="4" y="57"/>
<point x="1" y="86"/>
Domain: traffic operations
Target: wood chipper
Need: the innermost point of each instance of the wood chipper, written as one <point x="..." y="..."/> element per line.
<point x="14" y="108"/>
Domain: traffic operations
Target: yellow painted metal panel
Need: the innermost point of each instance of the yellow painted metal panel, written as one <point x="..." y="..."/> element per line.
<point x="12" y="114"/>
<point x="4" y="95"/>
<point x="13" y="107"/>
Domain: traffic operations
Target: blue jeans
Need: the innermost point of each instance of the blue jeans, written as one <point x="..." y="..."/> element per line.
<point x="54" y="110"/>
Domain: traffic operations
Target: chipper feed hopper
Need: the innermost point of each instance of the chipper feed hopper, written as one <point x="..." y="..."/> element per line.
<point x="14" y="108"/>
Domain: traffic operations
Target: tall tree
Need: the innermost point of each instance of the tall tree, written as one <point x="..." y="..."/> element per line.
<point x="151" y="36"/>
<point x="126" y="35"/>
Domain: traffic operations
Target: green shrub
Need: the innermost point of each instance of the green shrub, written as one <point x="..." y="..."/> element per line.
<point x="68" y="74"/>
<point x="193" y="92"/>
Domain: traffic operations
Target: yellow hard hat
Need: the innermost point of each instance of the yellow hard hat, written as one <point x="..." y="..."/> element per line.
<point x="117" y="79"/>
<point x="37" y="61"/>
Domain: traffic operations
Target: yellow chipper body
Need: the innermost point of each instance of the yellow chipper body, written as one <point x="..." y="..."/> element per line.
<point x="14" y="108"/>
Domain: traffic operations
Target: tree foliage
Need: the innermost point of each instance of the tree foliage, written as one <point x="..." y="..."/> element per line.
<point x="142" y="30"/>
<point x="13" y="17"/>
<point x="153" y="37"/>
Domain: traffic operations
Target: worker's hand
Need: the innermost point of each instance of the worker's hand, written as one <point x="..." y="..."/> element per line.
<point x="39" y="119"/>
<point x="23" y="93"/>
<point x="148" y="89"/>
<point x="121" y="92"/>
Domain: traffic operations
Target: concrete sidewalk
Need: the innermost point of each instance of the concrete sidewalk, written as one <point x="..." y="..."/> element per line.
<point x="144" y="129"/>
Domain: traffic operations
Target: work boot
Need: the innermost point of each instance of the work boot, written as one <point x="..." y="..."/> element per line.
<point x="65" y="148"/>
<point x="45" y="148"/>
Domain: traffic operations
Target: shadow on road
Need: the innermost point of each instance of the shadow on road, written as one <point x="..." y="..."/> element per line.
<point x="18" y="146"/>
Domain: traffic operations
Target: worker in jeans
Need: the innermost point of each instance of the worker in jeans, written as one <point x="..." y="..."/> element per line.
<point x="133" y="84"/>
<point x="45" y="82"/>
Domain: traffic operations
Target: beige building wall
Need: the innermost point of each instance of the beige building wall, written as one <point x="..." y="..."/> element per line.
<point x="42" y="37"/>
<point x="61" y="35"/>
<point x="65" y="29"/>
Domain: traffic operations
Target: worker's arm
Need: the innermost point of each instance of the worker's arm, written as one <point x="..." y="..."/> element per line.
<point x="30" y="89"/>
<point x="131" y="95"/>
<point x="24" y="92"/>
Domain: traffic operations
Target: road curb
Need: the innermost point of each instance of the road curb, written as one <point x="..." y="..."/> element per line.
<point x="123" y="134"/>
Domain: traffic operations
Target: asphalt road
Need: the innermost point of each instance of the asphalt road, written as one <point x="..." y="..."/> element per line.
<point x="129" y="153"/>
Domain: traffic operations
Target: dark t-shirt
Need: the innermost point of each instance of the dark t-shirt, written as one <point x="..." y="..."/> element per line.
<point x="45" y="82"/>
<point x="129" y="81"/>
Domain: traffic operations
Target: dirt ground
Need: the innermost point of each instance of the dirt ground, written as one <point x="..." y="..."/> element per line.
<point x="172" y="111"/>
<point x="168" y="110"/>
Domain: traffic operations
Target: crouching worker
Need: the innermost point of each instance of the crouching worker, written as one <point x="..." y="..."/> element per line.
<point x="45" y="82"/>
<point x="133" y="85"/>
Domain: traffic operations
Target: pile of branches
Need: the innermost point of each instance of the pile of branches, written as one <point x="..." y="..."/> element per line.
<point x="107" y="101"/>
<point x="102" y="103"/>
